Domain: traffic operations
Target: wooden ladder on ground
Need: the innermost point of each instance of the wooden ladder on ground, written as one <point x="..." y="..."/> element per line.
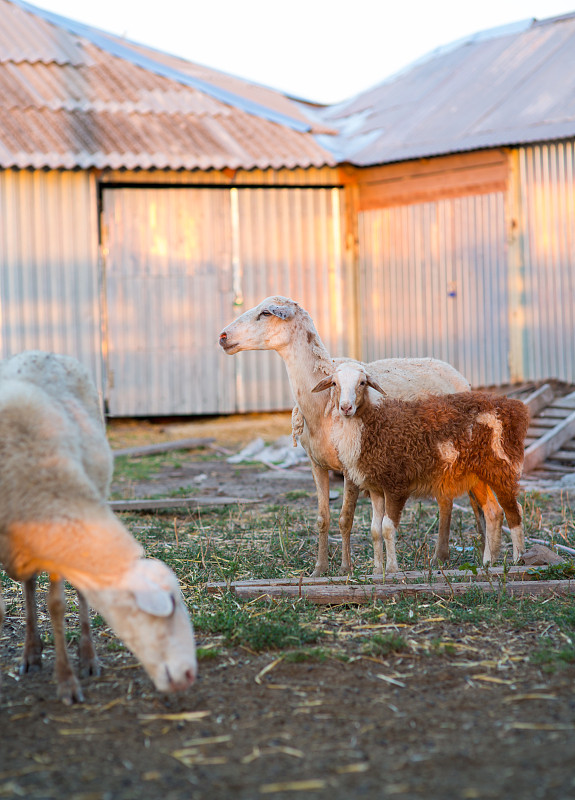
<point x="550" y="442"/>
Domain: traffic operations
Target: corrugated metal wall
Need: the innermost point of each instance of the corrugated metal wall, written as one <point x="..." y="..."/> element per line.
<point x="433" y="283"/>
<point x="181" y="262"/>
<point x="49" y="293"/>
<point x="290" y="243"/>
<point x="547" y="231"/>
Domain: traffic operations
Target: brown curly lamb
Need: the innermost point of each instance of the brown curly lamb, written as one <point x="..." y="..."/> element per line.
<point x="439" y="446"/>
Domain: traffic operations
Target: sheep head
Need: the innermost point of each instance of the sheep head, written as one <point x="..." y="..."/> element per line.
<point x="146" y="610"/>
<point x="349" y="383"/>
<point x="267" y="326"/>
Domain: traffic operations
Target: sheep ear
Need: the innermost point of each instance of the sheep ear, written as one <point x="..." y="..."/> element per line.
<point x="325" y="383"/>
<point x="155" y="601"/>
<point x="376" y="386"/>
<point x="283" y="312"/>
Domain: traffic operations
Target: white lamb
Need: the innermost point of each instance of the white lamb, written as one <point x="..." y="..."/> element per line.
<point x="281" y="324"/>
<point x="55" y="471"/>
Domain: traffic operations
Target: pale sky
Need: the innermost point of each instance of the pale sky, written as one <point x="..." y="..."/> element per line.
<point x="321" y="50"/>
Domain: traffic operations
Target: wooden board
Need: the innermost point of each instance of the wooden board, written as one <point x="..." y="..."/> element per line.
<point x="539" y="399"/>
<point x="191" y="503"/>
<point x="340" y="589"/>
<point x="162" y="447"/>
<point x="551" y="441"/>
<point x="336" y="594"/>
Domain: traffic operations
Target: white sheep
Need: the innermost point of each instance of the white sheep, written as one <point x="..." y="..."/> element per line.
<point x="437" y="446"/>
<point x="281" y="324"/>
<point x="55" y="470"/>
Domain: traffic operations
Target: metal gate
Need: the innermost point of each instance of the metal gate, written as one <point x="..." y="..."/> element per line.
<point x="182" y="262"/>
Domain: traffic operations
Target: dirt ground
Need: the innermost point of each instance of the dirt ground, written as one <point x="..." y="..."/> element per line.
<point x="485" y="723"/>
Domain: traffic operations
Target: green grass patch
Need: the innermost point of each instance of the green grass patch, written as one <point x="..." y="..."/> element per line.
<point x="551" y="658"/>
<point x="315" y="655"/>
<point x="385" y="644"/>
<point x="257" y="626"/>
<point x="296" y="494"/>
<point x="143" y="468"/>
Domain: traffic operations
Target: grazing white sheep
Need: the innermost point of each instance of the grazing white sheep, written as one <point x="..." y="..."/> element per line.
<point x="281" y="324"/>
<point x="441" y="446"/>
<point x="55" y="470"/>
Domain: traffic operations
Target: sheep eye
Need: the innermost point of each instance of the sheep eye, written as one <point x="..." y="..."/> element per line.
<point x="265" y="314"/>
<point x="362" y="383"/>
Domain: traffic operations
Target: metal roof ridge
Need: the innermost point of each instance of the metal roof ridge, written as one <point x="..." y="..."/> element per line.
<point x="102" y="39"/>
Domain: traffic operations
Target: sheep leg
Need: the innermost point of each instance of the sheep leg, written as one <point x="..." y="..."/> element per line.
<point x="493" y="521"/>
<point x="377" y="515"/>
<point x="32" y="655"/>
<point x="494" y="513"/>
<point x="441" y="552"/>
<point x="479" y="516"/>
<point x="69" y="690"/>
<point x="350" y="495"/>
<point x="321" y="479"/>
<point x="393" y="508"/>
<point x="514" y="515"/>
<point x="89" y="662"/>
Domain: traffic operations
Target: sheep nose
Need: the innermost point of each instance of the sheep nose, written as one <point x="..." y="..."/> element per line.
<point x="223" y="336"/>
<point x="345" y="408"/>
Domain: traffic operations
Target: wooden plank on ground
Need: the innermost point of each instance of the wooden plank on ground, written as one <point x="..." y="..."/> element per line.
<point x="563" y="455"/>
<point x="567" y="401"/>
<point x="540" y="398"/>
<point x="191" y="503"/>
<point x="441" y="576"/>
<point x="553" y="413"/>
<point x="543" y="448"/>
<point x="163" y="447"/>
<point x="336" y="594"/>
<point x="542" y="424"/>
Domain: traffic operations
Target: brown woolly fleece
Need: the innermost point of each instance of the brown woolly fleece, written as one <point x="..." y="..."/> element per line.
<point x="443" y="445"/>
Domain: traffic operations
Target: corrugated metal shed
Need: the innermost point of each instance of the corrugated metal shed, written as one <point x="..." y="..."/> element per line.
<point x="508" y="86"/>
<point x="74" y="96"/>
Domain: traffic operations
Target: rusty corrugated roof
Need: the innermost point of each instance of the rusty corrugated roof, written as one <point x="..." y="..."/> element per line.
<point x="75" y="96"/>
<point x="507" y="86"/>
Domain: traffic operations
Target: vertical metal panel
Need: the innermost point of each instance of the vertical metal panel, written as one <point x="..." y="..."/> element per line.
<point x="49" y="292"/>
<point x="291" y="244"/>
<point x="547" y="222"/>
<point x="432" y="283"/>
<point x="168" y="289"/>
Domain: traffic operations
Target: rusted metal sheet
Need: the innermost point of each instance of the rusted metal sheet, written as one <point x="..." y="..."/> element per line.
<point x="433" y="283"/>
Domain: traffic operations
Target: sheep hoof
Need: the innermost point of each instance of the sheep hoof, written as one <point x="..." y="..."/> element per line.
<point x="69" y="691"/>
<point x="343" y="570"/>
<point x="90" y="667"/>
<point x="318" y="572"/>
<point x="29" y="667"/>
<point x="31" y="660"/>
